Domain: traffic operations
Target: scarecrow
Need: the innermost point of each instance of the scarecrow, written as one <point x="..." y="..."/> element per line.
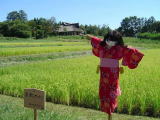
<point x="111" y="50"/>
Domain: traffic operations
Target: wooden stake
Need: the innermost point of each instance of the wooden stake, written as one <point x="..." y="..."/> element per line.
<point x="35" y="114"/>
<point x="109" y="117"/>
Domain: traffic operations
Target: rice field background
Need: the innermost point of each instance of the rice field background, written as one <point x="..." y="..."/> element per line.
<point x="30" y="47"/>
<point x="38" y="50"/>
<point x="73" y="81"/>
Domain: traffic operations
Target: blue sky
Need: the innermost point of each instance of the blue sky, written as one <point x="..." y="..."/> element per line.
<point x="95" y="12"/>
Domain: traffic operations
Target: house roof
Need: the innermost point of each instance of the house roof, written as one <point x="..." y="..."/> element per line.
<point x="67" y="27"/>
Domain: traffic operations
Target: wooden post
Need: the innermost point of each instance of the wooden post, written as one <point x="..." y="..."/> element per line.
<point x="109" y="117"/>
<point x="35" y="114"/>
<point x="35" y="99"/>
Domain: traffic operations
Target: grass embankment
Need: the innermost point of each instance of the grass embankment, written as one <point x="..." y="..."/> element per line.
<point x="12" y="109"/>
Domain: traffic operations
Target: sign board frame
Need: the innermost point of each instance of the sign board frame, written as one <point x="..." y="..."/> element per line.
<point x="34" y="98"/>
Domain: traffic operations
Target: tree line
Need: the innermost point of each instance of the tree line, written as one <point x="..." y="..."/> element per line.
<point x="18" y="25"/>
<point x="132" y="26"/>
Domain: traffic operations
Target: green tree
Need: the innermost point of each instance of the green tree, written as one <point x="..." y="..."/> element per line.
<point x="4" y="28"/>
<point x="103" y="30"/>
<point x="14" y="15"/>
<point x="95" y="29"/>
<point x="53" y="26"/>
<point x="20" y="30"/>
<point x="131" y="25"/>
<point x="15" y="28"/>
<point x="149" y="25"/>
<point x="23" y="15"/>
<point x="41" y="27"/>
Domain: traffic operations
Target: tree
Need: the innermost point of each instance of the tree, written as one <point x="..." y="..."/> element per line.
<point x="41" y="27"/>
<point x="15" y="15"/>
<point x="4" y="29"/>
<point x="130" y="26"/>
<point x="103" y="30"/>
<point x="148" y="25"/>
<point x="23" y="15"/>
<point x="95" y="29"/>
<point x="12" y="16"/>
<point x="20" y="30"/>
<point x="156" y="26"/>
<point x="15" y="28"/>
<point x="53" y="26"/>
<point x="150" y="21"/>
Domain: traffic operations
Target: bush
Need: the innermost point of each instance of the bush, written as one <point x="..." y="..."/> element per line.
<point x="40" y="34"/>
<point x="154" y="36"/>
<point x="15" y="29"/>
<point x="4" y="29"/>
<point x="1" y="35"/>
<point x="20" y="30"/>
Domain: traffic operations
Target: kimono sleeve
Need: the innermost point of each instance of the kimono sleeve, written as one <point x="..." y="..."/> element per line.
<point x="131" y="57"/>
<point x="95" y="42"/>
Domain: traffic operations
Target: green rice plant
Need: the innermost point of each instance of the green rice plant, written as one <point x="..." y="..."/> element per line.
<point x="74" y="81"/>
<point x="21" y="44"/>
<point x="52" y="38"/>
<point x="70" y="40"/>
<point x="38" y="50"/>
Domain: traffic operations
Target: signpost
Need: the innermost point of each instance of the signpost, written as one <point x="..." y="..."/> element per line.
<point x="35" y="99"/>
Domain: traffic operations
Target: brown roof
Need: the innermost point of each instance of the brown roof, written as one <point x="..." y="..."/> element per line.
<point x="69" y="28"/>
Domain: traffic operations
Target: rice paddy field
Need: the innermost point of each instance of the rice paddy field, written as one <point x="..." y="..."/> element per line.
<point x="38" y="50"/>
<point x="73" y="81"/>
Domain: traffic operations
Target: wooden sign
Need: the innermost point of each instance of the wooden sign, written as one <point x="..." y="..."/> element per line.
<point x="34" y="98"/>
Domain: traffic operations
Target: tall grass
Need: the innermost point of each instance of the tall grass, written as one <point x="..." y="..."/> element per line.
<point x="144" y="43"/>
<point x="74" y="81"/>
<point x="51" y="38"/>
<point x="67" y="40"/>
<point x="147" y="35"/>
<point x="38" y="50"/>
<point x="29" y="44"/>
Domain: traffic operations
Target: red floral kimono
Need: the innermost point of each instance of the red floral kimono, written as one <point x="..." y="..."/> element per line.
<point x="109" y="71"/>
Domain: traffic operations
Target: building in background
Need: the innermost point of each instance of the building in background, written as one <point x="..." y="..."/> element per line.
<point x="69" y="29"/>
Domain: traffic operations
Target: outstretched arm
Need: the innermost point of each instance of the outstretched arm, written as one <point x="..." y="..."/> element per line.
<point x="88" y="36"/>
<point x="131" y="57"/>
<point x="95" y="43"/>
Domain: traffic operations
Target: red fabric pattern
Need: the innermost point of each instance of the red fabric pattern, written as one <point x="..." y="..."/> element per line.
<point x="109" y="88"/>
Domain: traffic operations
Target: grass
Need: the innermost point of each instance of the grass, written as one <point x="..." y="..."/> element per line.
<point x="19" y="46"/>
<point x="38" y="50"/>
<point x="31" y="44"/>
<point x="74" y="82"/>
<point x="12" y="109"/>
<point x="10" y="60"/>
<point x="147" y="35"/>
<point x="28" y="47"/>
<point x="51" y="39"/>
<point x="144" y="43"/>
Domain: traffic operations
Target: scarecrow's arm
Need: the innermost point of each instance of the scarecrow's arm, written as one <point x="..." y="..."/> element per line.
<point x="131" y="57"/>
<point x="95" y="43"/>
